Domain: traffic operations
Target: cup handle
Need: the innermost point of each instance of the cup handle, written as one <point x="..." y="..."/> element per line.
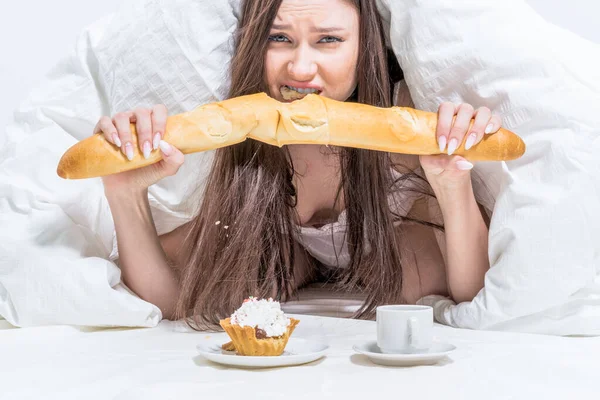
<point x="413" y="332"/>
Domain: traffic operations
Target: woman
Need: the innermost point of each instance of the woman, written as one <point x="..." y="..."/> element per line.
<point x="272" y="220"/>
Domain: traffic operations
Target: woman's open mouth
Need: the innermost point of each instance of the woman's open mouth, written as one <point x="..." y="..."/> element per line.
<point x="293" y="93"/>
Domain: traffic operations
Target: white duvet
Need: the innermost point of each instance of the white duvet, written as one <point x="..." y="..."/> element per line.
<point x="56" y="236"/>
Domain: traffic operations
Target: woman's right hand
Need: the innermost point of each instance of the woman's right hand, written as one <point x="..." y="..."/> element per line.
<point x="150" y="126"/>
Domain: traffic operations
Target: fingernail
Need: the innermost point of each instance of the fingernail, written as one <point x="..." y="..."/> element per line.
<point x="147" y="149"/>
<point x="488" y="129"/>
<point x="464" y="165"/>
<point x="116" y="139"/>
<point x="470" y="141"/>
<point x="129" y="151"/>
<point x="442" y="141"/>
<point x="165" y="147"/>
<point x="452" y="146"/>
<point x="156" y="140"/>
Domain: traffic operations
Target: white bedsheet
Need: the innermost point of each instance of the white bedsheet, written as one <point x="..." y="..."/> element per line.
<point x="63" y="362"/>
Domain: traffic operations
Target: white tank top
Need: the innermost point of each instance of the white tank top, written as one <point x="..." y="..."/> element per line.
<point x="328" y="243"/>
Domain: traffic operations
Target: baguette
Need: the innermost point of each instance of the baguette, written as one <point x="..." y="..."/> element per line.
<point x="311" y="120"/>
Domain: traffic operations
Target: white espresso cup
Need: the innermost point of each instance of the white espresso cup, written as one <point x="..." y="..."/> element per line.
<point x="404" y="328"/>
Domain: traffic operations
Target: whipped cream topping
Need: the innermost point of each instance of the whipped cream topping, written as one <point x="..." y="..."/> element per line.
<point x="262" y="314"/>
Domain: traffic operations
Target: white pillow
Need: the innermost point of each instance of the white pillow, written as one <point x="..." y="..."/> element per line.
<point x="56" y="236"/>
<point x="545" y="83"/>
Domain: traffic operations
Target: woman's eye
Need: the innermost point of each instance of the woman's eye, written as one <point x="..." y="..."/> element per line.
<point x="278" y="38"/>
<point x="331" y="39"/>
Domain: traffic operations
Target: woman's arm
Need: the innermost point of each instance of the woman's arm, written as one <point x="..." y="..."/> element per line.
<point x="144" y="265"/>
<point x="142" y="259"/>
<point x="466" y="235"/>
<point x="466" y="232"/>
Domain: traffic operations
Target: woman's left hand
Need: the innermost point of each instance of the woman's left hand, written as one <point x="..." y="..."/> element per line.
<point x="446" y="169"/>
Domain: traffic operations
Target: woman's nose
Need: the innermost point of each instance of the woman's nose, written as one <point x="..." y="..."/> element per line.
<point x="302" y="66"/>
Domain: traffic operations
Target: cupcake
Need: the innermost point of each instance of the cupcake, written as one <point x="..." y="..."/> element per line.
<point x="258" y="328"/>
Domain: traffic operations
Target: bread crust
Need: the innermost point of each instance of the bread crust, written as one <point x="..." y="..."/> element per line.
<point x="311" y="120"/>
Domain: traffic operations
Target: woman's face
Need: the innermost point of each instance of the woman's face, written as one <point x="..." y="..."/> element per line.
<point x="313" y="46"/>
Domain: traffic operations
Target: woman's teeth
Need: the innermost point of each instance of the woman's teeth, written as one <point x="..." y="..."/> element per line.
<point x="292" y="93"/>
<point x="303" y="91"/>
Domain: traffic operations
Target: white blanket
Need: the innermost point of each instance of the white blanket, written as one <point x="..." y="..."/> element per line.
<point x="545" y="83"/>
<point x="162" y="363"/>
<point x="56" y="236"/>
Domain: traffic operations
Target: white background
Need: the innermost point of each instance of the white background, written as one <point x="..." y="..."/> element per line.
<point x="35" y="34"/>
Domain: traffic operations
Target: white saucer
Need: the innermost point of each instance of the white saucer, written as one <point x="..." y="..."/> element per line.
<point x="437" y="352"/>
<point x="298" y="351"/>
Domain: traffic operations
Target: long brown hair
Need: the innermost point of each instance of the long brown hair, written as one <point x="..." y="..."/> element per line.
<point x="242" y="240"/>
